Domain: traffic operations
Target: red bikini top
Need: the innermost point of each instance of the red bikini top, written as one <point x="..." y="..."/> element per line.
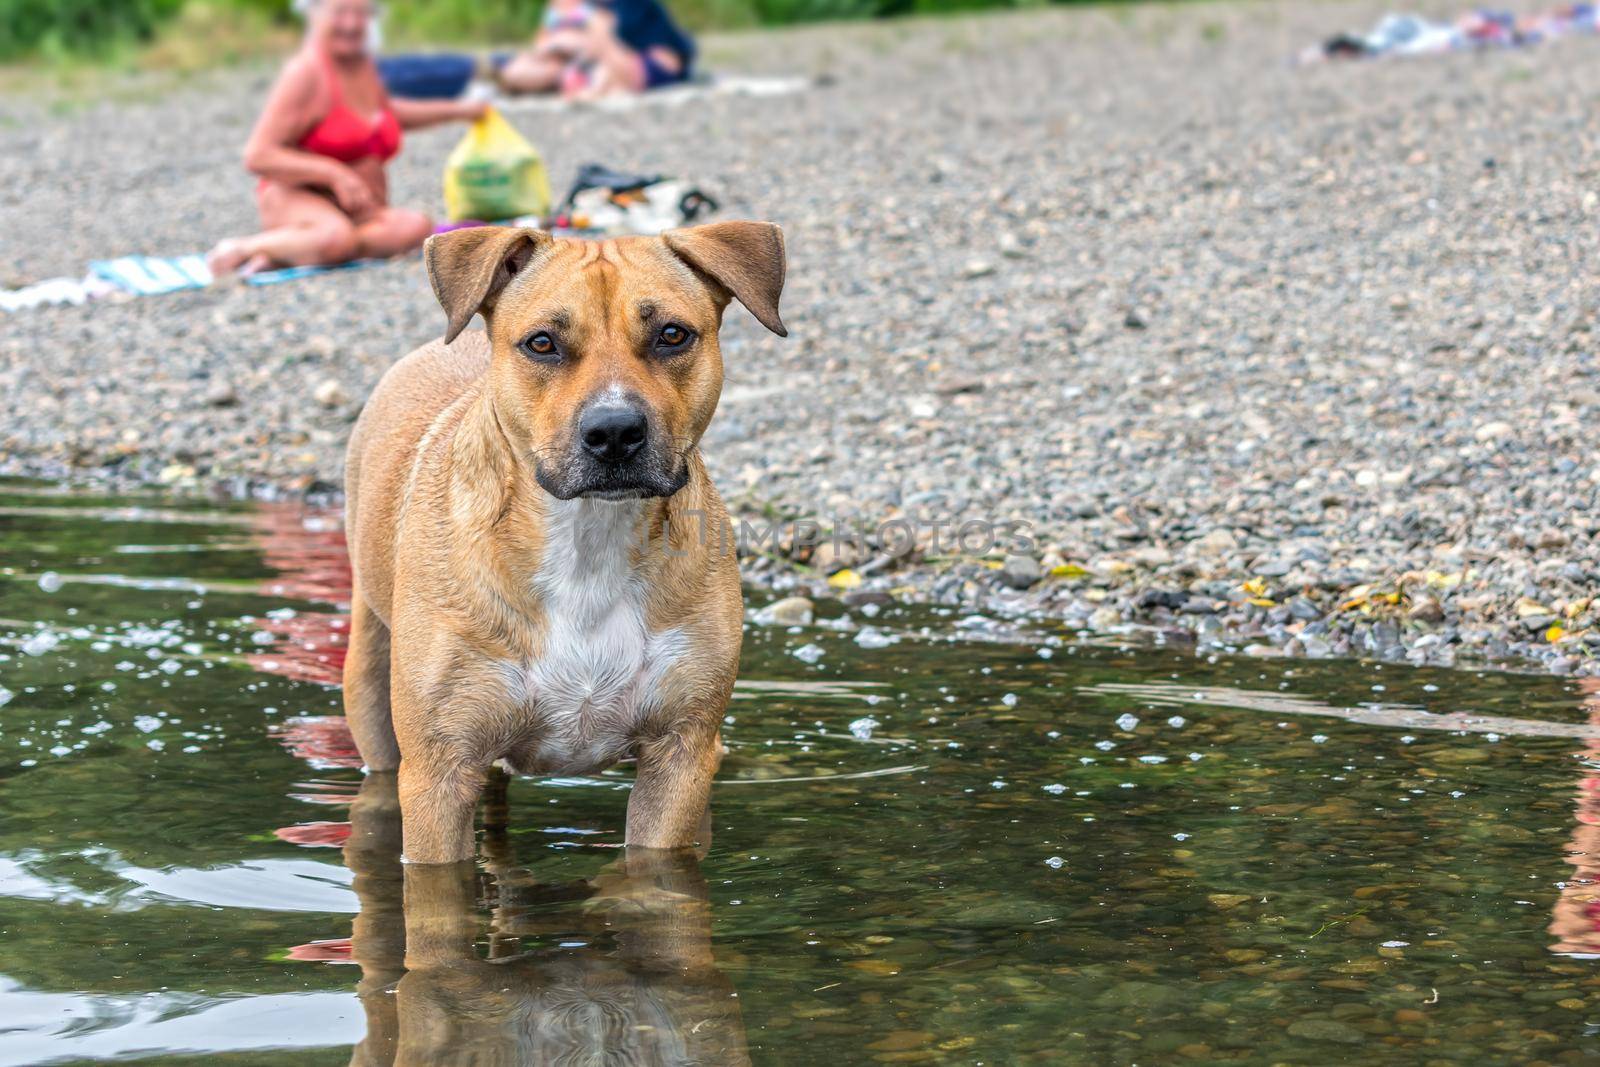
<point x="346" y="136"/>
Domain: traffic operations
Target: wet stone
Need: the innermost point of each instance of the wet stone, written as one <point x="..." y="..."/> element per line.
<point x="1021" y="571"/>
<point x="1326" y="1030"/>
<point x="790" y="611"/>
<point x="901" y="1040"/>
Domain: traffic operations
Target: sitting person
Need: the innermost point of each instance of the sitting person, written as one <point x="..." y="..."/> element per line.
<point x="592" y="48"/>
<point x="320" y="148"/>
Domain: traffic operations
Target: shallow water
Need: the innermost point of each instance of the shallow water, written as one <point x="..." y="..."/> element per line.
<point x="927" y="849"/>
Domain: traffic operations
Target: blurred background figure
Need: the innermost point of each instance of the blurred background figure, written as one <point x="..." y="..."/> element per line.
<point x="320" y="148"/>
<point x="591" y="49"/>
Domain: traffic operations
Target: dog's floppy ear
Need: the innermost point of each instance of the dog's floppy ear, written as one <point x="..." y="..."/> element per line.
<point x="468" y="268"/>
<point x="745" y="258"/>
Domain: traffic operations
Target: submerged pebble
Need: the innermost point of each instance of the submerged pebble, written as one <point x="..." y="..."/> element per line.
<point x="862" y="728"/>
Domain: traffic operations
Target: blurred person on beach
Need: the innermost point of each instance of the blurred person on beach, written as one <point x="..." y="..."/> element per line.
<point x="320" y="148"/>
<point x="593" y="48"/>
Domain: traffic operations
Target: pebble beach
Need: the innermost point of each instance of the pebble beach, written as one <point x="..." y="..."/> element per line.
<point x="1290" y="360"/>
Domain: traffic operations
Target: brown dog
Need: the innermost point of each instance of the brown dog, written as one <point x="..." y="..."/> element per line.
<point x="527" y="513"/>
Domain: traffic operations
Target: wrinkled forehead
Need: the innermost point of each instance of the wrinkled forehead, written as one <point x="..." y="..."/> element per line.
<point x="626" y="277"/>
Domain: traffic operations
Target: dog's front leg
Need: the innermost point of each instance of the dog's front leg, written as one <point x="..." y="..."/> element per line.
<point x="437" y="799"/>
<point x="668" y="805"/>
<point x="441" y="768"/>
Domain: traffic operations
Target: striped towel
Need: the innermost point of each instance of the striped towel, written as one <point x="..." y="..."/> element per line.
<point x="284" y="274"/>
<point x="150" y="275"/>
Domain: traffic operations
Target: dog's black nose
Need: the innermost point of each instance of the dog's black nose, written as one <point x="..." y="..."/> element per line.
<point x="613" y="434"/>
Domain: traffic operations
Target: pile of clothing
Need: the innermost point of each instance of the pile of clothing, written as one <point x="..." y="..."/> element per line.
<point x="1414" y="35"/>
<point x="611" y="203"/>
<point x="605" y="201"/>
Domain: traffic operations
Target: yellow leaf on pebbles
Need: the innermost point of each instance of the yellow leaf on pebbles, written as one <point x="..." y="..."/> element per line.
<point x="1355" y="598"/>
<point x="1367" y="599"/>
<point x="1069" y="570"/>
<point x="845" y="579"/>
<point x="1256" y="587"/>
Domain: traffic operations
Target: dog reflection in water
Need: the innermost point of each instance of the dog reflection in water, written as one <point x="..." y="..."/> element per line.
<point x="642" y="989"/>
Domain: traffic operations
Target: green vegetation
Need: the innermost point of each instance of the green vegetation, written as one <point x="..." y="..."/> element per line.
<point x="63" y="26"/>
<point x="80" y="37"/>
<point x="99" y="28"/>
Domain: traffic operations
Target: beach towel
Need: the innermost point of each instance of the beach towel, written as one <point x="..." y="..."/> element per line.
<point x="284" y="274"/>
<point x="666" y="96"/>
<point x="147" y="276"/>
<point x="153" y="275"/>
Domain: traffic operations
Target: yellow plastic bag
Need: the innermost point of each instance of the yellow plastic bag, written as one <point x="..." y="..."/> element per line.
<point x="495" y="174"/>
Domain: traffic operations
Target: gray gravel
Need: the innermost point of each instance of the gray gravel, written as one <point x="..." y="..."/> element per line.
<point x="1196" y="317"/>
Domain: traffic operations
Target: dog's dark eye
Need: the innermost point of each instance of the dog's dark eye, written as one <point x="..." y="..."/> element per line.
<point x="672" y="338"/>
<point x="540" y="346"/>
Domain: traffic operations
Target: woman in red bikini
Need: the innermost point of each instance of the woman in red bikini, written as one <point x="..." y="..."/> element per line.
<point x="320" y="148"/>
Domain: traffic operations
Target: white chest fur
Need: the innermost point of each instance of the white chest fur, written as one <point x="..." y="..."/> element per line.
<point x="599" y="672"/>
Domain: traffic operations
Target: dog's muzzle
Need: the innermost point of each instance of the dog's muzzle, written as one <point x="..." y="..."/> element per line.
<point x="613" y="457"/>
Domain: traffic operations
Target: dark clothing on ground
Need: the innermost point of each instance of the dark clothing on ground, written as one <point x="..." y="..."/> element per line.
<point x="645" y="24"/>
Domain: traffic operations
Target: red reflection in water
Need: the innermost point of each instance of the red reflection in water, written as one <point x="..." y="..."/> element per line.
<point x="333" y="950"/>
<point x="323" y="741"/>
<point x="315" y="834"/>
<point x="310" y="647"/>
<point x="307" y="549"/>
<point x="1575" y="920"/>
